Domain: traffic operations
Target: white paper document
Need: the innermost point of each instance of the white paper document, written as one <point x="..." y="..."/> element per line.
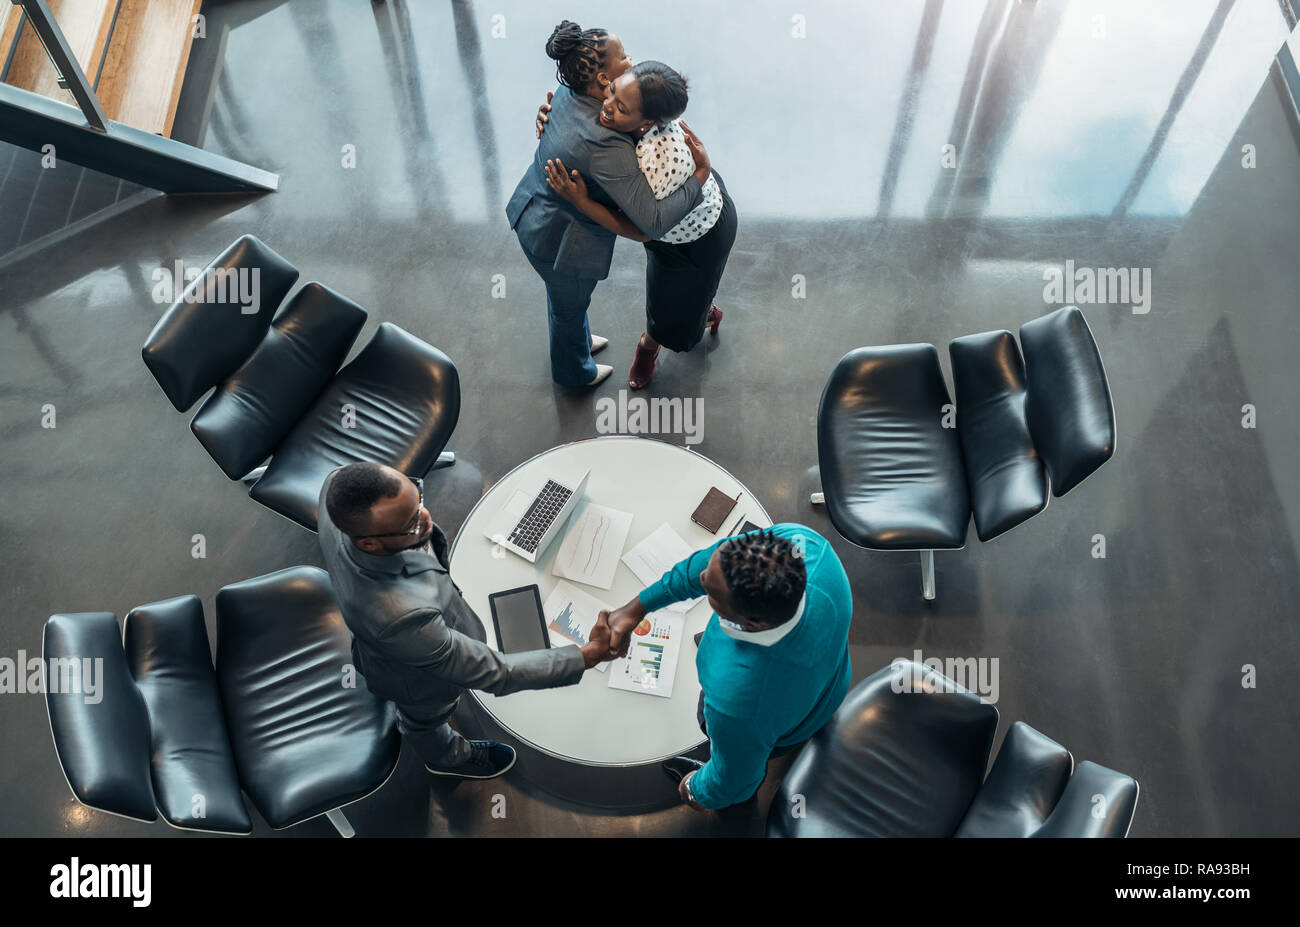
<point x="651" y="661"/>
<point x="570" y="614"/>
<point x="589" y="552"/>
<point x="658" y="554"/>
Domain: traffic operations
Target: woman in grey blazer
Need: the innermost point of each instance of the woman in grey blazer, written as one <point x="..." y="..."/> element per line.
<point x="569" y="251"/>
<point x="685" y="266"/>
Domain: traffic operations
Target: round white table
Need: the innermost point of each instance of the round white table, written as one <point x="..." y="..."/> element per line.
<point x="591" y="723"/>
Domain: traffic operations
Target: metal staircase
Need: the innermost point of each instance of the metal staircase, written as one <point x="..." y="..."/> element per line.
<point x="99" y="80"/>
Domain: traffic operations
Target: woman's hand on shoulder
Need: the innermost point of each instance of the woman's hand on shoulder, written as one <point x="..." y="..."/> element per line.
<point x="542" y="110"/>
<point x="568" y="184"/>
<point x="698" y="152"/>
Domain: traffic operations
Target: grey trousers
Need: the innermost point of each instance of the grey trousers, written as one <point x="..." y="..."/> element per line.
<point x="427" y="731"/>
<point x="425" y="727"/>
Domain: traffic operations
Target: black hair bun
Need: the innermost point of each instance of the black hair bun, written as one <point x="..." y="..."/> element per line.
<point x="563" y="40"/>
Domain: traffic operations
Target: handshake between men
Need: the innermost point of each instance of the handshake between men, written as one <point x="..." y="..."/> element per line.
<point x="773" y="664"/>
<point x="614" y="628"/>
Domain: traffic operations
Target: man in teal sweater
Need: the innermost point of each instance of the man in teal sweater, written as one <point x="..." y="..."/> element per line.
<point x="773" y="661"/>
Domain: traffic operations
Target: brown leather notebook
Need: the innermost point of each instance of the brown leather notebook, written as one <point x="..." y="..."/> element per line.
<point x="710" y="513"/>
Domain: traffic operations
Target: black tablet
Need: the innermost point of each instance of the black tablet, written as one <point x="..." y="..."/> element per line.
<point x="518" y="619"/>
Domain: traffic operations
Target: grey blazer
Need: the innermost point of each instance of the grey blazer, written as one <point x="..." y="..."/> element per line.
<point x="552" y="229"/>
<point x="414" y="639"/>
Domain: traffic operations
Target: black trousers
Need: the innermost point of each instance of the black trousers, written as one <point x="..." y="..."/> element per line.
<point x="681" y="280"/>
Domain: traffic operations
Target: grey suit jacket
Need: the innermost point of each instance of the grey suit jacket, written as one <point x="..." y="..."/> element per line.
<point x="415" y="640"/>
<point x="552" y="229"/>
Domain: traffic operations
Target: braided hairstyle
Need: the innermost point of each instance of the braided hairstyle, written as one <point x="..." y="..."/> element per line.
<point x="579" y="53"/>
<point x="765" y="575"/>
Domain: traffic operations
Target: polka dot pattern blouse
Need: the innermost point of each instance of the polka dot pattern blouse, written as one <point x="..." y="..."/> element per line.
<point x="666" y="161"/>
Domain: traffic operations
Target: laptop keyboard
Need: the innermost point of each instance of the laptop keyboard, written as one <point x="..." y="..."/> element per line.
<point x="528" y="533"/>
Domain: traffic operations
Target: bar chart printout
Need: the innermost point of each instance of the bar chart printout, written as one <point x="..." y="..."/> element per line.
<point x="651" y="661"/>
<point x="570" y="613"/>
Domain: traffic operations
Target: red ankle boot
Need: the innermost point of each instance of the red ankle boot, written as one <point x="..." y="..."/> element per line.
<point x="643" y="366"/>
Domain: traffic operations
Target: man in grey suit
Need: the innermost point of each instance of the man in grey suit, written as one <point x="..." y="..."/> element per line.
<point x="570" y="252"/>
<point x="414" y="639"/>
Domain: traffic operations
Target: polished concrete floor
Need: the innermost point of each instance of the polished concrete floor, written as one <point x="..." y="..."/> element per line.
<point x="1110" y="134"/>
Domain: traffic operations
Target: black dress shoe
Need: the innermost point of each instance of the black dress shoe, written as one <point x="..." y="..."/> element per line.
<point x="487" y="760"/>
<point x="679" y="767"/>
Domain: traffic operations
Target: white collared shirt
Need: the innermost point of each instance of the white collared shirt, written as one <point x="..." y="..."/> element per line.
<point x="763" y="638"/>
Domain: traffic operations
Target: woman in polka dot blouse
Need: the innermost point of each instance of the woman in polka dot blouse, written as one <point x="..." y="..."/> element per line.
<point x="684" y="267"/>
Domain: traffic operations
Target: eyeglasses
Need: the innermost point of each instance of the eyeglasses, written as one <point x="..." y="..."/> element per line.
<point x="415" y="519"/>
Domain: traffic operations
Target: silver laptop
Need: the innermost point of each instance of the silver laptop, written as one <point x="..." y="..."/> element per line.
<point x="535" y="514"/>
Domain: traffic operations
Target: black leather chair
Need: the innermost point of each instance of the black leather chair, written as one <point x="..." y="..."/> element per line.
<point x="1068" y="407"/>
<point x="207" y="333"/>
<point x="194" y="779"/>
<point x="894" y="478"/>
<point x="902" y="759"/>
<point x="307" y="737"/>
<point x="102" y="738"/>
<point x="892" y="474"/>
<point x="252" y="409"/>
<point x="165" y="731"/>
<point x="276" y="386"/>
<point x="151" y="736"/>
<point x="397" y="402"/>
<point x="1007" y="480"/>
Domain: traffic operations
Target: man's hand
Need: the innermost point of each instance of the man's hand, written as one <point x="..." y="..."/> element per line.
<point x="621" y="622"/>
<point x="703" y="168"/>
<point x="569" y="184"/>
<point x="686" y="795"/>
<point x="597" y="646"/>
<point x="542" y="110"/>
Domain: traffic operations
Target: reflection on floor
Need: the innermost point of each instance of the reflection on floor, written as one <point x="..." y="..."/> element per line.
<point x="1106" y="133"/>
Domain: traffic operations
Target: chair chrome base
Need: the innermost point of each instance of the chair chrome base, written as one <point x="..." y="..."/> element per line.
<point x="817" y="498"/>
<point x="341" y="823"/>
<point x="252" y="476"/>
<point x="445" y="459"/>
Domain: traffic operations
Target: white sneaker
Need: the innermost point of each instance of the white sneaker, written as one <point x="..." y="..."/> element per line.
<point x="598" y="343"/>
<point x="602" y="371"/>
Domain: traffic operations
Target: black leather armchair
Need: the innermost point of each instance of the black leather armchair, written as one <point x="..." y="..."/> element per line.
<point x="896" y="474"/>
<point x="1068" y="406"/>
<point x="905" y="756"/>
<point x="102" y="737"/>
<point x="396" y="402"/>
<point x="194" y="779"/>
<point x="892" y="475"/>
<point x="276" y="386"/>
<point x="164" y="731"/>
<point x="1007" y="480"/>
<point x="308" y="735"/>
